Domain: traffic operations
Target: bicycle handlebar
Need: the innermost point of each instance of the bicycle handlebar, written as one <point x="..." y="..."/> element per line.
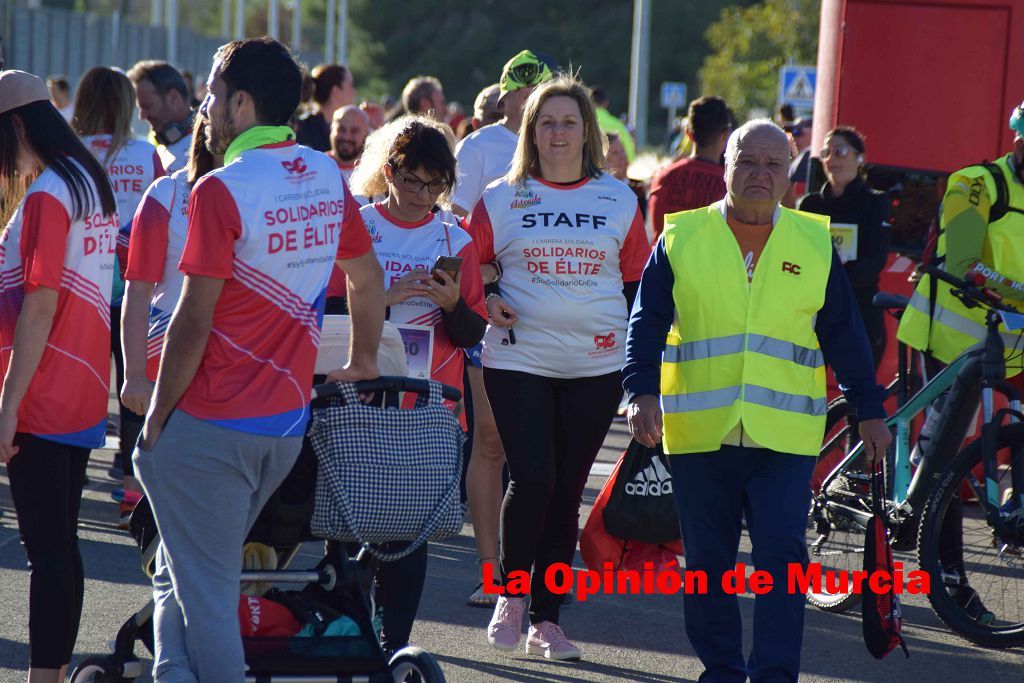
<point x="983" y="296"/>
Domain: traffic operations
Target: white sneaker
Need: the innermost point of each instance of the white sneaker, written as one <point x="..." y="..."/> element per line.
<point x="506" y="627"/>
<point x="547" y="640"/>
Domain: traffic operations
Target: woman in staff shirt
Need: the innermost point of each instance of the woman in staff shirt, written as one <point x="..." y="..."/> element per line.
<point x="104" y="104"/>
<point x="848" y="200"/>
<point x="56" y="267"/>
<point x="571" y="244"/>
<point x="410" y="162"/>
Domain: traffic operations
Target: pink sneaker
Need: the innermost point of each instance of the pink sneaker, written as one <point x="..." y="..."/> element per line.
<point x="506" y="627"/>
<point x="548" y="640"/>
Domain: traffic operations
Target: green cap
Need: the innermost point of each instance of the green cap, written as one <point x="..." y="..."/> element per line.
<point x="522" y="71"/>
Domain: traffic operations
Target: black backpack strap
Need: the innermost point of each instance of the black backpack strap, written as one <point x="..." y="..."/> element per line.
<point x="1002" y="204"/>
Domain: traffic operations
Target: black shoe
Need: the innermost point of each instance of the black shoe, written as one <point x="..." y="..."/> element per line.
<point x="967" y="599"/>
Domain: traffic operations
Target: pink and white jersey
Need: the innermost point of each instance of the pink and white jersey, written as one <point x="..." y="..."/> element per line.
<point x="157" y="244"/>
<point x="45" y="246"/>
<point x="133" y="169"/>
<point x="565" y="251"/>
<point x="402" y="247"/>
<point x="270" y="224"/>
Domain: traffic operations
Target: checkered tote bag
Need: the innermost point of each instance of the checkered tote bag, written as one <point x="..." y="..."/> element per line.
<point x="387" y="474"/>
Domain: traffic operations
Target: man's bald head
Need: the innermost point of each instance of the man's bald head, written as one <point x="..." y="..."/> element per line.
<point x="757" y="131"/>
<point x="349" y="129"/>
<point x="757" y="166"/>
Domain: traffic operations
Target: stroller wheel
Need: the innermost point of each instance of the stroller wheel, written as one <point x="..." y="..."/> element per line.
<point x="94" y="670"/>
<point x="415" y="665"/>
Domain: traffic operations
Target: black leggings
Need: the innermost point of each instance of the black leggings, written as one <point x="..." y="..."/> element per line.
<point x="131" y="423"/>
<point x="46" y="485"/>
<point x="552" y="430"/>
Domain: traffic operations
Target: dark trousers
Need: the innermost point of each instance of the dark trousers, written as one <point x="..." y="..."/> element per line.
<point x="46" y="485"/>
<point x="713" y="491"/>
<point x="552" y="430"/>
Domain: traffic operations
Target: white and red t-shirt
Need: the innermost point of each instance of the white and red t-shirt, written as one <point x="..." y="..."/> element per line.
<point x="157" y="243"/>
<point x="402" y="247"/>
<point x="45" y="246"/>
<point x="270" y="224"/>
<point x="337" y="285"/>
<point x="565" y="251"/>
<point x="131" y="171"/>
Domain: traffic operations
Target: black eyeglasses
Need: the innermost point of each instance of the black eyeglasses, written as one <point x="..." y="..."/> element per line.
<point x="413" y="184"/>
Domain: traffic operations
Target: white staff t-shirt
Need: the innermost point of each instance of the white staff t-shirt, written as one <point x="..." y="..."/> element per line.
<point x="565" y="251"/>
<point x="175" y="156"/>
<point x="157" y="244"/>
<point x="482" y="157"/>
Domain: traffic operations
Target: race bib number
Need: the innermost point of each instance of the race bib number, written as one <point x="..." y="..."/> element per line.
<point x="419" y="349"/>
<point x="844" y="238"/>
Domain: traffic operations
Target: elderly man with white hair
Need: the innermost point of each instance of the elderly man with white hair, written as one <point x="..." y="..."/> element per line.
<point x="740" y="307"/>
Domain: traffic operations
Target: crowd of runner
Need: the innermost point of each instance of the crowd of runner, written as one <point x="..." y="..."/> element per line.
<point x="202" y="258"/>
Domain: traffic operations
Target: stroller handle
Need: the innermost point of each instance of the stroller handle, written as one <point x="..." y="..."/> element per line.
<point x="387" y="384"/>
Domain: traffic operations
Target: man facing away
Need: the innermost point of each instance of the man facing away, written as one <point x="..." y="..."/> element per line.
<point x="232" y="395"/>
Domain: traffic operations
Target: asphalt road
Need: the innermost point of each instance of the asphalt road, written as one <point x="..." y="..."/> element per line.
<point x="623" y="638"/>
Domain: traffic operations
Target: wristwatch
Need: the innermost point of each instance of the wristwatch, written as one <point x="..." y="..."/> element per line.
<point x="497" y="267"/>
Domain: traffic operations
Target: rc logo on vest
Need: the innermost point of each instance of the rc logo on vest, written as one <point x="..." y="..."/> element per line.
<point x="654" y="480"/>
<point x="788" y="267"/>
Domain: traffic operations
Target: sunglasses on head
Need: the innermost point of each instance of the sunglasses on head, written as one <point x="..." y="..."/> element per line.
<point x="838" y="152"/>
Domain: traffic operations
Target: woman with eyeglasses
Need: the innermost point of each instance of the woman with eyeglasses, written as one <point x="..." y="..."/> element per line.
<point x="411" y="163"/>
<point x="56" y="262"/>
<point x="859" y="214"/>
<point x="571" y="244"/>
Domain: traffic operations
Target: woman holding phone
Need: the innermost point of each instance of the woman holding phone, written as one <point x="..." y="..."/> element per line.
<point x="571" y="244"/>
<point x="410" y="162"/>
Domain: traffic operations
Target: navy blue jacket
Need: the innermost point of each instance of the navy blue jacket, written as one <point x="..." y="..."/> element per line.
<point x="844" y="343"/>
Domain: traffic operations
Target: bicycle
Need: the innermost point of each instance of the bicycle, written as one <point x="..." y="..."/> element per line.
<point x="967" y="581"/>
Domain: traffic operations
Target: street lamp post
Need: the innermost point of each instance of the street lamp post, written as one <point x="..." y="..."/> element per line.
<point x="638" y="75"/>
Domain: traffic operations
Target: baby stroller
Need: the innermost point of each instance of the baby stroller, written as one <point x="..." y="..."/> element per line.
<point x="339" y="582"/>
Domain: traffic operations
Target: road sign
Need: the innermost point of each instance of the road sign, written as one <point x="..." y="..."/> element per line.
<point x="796" y="86"/>
<point x="673" y="95"/>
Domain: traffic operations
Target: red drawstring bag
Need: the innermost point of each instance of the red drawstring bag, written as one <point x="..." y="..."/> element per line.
<point x="880" y="611"/>
<point x="597" y="546"/>
<point x="265" y="618"/>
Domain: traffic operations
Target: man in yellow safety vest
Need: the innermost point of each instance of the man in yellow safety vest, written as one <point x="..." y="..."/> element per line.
<point x="739" y="308"/>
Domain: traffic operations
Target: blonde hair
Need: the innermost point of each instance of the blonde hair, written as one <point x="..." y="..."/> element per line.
<point x="527" y="160"/>
<point x="408" y="142"/>
<point x="104" y="103"/>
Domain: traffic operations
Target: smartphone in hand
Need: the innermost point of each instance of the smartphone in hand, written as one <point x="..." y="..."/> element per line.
<point x="449" y="264"/>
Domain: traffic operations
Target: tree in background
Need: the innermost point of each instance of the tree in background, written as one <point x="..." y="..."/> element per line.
<point x="750" y="44"/>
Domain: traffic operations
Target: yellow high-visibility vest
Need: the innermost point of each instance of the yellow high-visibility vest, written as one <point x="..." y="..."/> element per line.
<point x="954" y="327"/>
<point x="745" y="350"/>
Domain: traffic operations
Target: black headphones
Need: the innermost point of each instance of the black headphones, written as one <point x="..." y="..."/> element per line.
<point x="173" y="132"/>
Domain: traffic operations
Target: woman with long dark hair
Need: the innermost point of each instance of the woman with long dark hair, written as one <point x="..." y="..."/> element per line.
<point x="56" y="266"/>
<point x="152" y="280"/>
<point x="571" y="244"/>
<point x="104" y="104"/>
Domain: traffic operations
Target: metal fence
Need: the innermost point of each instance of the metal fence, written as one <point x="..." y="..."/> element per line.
<point x="52" y="41"/>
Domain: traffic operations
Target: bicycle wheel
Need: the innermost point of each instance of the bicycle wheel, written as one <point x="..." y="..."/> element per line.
<point x="977" y="592"/>
<point x="835" y="537"/>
